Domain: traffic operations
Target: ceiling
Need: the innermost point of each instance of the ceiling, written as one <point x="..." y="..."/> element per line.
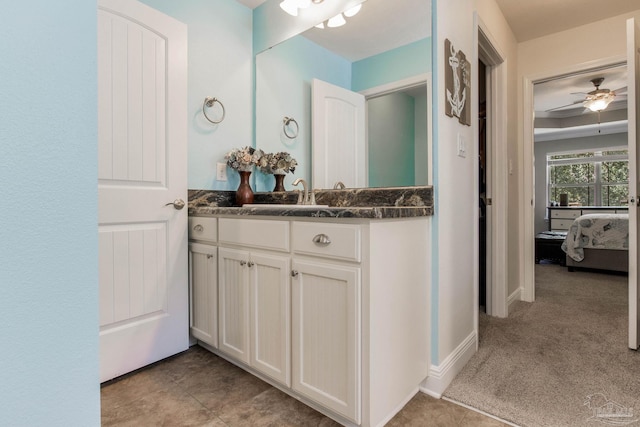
<point x="536" y="18"/>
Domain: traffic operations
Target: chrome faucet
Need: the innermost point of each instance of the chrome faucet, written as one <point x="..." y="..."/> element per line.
<point x="306" y="198"/>
<point x="338" y="185"/>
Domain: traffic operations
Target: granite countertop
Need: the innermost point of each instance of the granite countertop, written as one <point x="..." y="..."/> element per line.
<point x="369" y="203"/>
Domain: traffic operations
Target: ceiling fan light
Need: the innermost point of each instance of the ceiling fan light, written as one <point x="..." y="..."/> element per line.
<point x="336" y="21"/>
<point x="303" y="4"/>
<point x="599" y="103"/>
<point x="352" y="11"/>
<point x="290" y="6"/>
<point x="320" y="25"/>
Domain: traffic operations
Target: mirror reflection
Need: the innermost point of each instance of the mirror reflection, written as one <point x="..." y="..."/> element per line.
<point x="383" y="55"/>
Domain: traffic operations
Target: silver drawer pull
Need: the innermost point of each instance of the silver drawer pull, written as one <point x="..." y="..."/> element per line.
<point x="321" y="239"/>
<point x="198" y="228"/>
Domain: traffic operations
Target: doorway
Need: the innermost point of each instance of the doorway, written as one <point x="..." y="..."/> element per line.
<point x="482" y="186"/>
<point x="493" y="177"/>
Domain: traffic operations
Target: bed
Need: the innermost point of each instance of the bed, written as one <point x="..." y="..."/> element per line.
<point x="599" y="241"/>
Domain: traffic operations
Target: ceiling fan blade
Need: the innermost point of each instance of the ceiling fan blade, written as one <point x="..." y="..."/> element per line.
<point x="620" y="91"/>
<point x="564" y="106"/>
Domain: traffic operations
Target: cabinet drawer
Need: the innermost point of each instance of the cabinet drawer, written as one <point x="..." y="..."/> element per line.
<point x="203" y="228"/>
<point x="561" y="224"/>
<point x="339" y="241"/>
<point x="256" y="233"/>
<point x="597" y="211"/>
<point x="569" y="214"/>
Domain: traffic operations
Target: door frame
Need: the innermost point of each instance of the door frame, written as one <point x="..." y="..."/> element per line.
<point x="497" y="158"/>
<point x="409" y="82"/>
<point x="526" y="178"/>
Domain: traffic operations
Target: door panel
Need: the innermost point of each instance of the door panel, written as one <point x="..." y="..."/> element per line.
<point x="633" y="105"/>
<point x="142" y="242"/>
<point x="339" y="152"/>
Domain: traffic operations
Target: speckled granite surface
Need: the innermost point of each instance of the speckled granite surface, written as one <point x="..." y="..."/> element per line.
<point x="373" y="203"/>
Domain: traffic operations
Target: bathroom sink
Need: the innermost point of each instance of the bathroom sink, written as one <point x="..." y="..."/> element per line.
<point x="282" y="206"/>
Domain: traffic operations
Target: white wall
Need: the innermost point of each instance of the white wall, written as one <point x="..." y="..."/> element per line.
<point x="455" y="217"/>
<point x="48" y="219"/>
<point x="455" y="266"/>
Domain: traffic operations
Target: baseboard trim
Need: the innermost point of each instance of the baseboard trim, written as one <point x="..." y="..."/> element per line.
<point x="515" y="296"/>
<point x="440" y="376"/>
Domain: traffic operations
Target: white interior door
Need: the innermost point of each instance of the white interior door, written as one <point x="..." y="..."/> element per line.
<point x="633" y="67"/>
<point x="143" y="274"/>
<point x="338" y="136"/>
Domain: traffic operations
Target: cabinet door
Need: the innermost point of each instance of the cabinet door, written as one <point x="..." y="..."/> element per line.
<point x="270" y="315"/>
<point x="326" y="335"/>
<point x="233" y="303"/>
<point x="203" y="289"/>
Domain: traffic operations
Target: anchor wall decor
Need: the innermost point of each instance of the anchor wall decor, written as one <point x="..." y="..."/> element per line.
<point x="457" y="84"/>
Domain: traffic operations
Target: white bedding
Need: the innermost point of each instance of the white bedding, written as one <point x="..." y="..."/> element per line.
<point x="600" y="231"/>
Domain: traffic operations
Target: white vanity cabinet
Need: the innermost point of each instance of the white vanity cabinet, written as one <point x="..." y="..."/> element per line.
<point x="326" y="308"/>
<point x="203" y="280"/>
<point x="254" y="295"/>
<point x="332" y="311"/>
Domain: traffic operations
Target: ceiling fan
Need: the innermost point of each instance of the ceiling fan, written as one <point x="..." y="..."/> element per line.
<point x="598" y="99"/>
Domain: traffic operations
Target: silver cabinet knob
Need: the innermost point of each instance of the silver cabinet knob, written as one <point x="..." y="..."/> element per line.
<point x="209" y="256"/>
<point x="250" y="264"/>
<point x="177" y="204"/>
<point x="199" y="228"/>
<point x="243" y="263"/>
<point x="321" y="239"/>
<point x="294" y="273"/>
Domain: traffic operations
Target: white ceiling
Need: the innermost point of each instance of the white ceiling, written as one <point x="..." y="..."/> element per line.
<point x="530" y="19"/>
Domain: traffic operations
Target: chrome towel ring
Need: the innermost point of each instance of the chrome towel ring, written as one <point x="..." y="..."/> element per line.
<point x="210" y="102"/>
<point x="286" y="122"/>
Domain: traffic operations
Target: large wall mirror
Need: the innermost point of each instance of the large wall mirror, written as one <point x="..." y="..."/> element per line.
<point x="383" y="54"/>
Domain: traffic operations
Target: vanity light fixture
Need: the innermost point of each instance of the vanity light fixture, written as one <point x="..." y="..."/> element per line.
<point x="353" y="11"/>
<point x="292" y="6"/>
<point x="338" y="20"/>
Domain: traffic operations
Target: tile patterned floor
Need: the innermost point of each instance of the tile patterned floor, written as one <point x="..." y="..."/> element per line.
<point x="198" y="388"/>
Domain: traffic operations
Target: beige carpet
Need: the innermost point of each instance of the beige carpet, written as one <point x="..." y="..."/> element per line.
<point x="540" y="366"/>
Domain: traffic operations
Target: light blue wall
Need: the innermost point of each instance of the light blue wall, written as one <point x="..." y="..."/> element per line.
<point x="397" y="64"/>
<point x="283" y="88"/>
<point x="48" y="219"/>
<point x="220" y="65"/>
<point x="544" y="148"/>
<point x="391" y="121"/>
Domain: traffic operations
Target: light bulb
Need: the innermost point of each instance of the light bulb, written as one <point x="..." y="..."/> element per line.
<point x="303" y="4"/>
<point x="352" y="11"/>
<point x="320" y="25"/>
<point x="336" y="21"/>
<point x="289" y="6"/>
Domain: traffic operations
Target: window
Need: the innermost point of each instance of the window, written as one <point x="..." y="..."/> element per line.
<point x="589" y="178"/>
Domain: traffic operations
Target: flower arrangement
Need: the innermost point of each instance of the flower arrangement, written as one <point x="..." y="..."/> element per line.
<point x="243" y="159"/>
<point x="277" y="163"/>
